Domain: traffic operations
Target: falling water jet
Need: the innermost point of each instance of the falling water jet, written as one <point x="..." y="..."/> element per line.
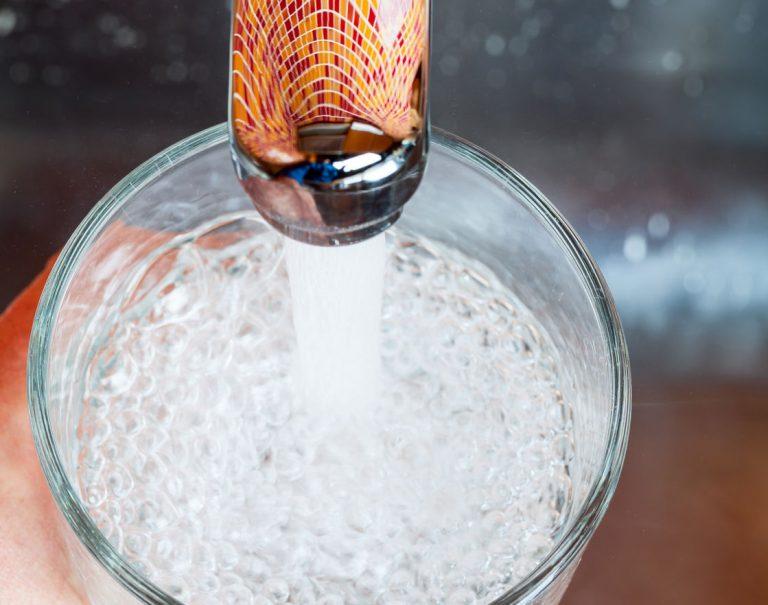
<point x="337" y="295"/>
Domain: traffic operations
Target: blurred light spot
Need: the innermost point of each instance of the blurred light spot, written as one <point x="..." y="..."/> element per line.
<point x="693" y="86"/>
<point x="525" y="4"/>
<point x="619" y="4"/>
<point x="19" y="72"/>
<point x="658" y="225"/>
<point x="496" y="78"/>
<point x="177" y="71"/>
<point x="531" y="27"/>
<point x="7" y="21"/>
<point x="449" y="65"/>
<point x="635" y="248"/>
<point x="125" y="37"/>
<point x="672" y="60"/>
<point x="495" y="45"/>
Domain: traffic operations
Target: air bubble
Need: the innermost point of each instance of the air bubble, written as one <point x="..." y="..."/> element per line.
<point x="462" y="596"/>
<point x="119" y="482"/>
<point x="197" y="463"/>
<point x="277" y="590"/>
<point x="238" y="594"/>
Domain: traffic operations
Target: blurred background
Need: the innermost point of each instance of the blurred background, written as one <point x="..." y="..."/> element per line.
<point x="644" y="121"/>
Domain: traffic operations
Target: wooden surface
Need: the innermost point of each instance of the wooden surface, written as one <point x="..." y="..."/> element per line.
<point x="689" y="522"/>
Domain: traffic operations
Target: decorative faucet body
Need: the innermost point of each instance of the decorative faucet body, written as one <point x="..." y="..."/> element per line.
<point x="328" y="112"/>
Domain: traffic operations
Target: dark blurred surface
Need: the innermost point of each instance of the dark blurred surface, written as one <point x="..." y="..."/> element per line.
<point x="645" y="121"/>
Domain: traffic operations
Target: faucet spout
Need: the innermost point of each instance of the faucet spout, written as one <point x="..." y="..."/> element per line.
<point x="328" y="113"/>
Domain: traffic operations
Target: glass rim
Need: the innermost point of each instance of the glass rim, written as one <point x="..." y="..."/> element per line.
<point x="72" y="508"/>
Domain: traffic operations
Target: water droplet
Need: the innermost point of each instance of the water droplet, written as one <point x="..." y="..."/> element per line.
<point x="658" y="225"/>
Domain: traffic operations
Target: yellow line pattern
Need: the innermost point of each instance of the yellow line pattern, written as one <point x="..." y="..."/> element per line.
<point x="302" y="62"/>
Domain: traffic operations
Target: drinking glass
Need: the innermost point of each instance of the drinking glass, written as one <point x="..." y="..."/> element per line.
<point x="469" y="201"/>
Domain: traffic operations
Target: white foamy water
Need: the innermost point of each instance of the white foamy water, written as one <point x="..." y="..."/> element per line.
<point x="201" y="463"/>
<point x="336" y="298"/>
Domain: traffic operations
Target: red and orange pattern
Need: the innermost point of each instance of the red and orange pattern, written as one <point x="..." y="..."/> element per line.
<point x="301" y="62"/>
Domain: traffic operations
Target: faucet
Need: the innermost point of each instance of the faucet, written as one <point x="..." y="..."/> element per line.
<point x="328" y="114"/>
